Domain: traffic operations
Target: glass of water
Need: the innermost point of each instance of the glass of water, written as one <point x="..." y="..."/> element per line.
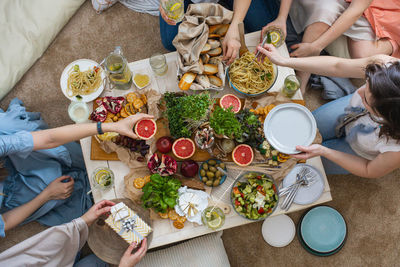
<point x="158" y="64"/>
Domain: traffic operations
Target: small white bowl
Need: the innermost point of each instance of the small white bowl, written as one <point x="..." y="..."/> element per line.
<point x="141" y="73"/>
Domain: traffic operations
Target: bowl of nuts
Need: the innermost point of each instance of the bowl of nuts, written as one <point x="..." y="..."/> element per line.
<point x="209" y="173"/>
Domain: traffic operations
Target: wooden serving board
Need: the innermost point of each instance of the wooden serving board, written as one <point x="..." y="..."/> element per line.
<point x="97" y="153"/>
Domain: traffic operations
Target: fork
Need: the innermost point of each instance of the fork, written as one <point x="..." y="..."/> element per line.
<point x="298" y="180"/>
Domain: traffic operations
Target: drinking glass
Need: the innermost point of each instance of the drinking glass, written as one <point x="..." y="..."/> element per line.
<point x="291" y="85"/>
<point x="78" y="111"/>
<point x="158" y="64"/>
<point x="174" y="9"/>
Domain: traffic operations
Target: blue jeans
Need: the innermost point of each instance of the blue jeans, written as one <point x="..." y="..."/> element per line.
<point x="327" y="117"/>
<point x="260" y="13"/>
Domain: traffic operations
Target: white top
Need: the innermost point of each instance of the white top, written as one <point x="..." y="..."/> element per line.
<point x="367" y="143"/>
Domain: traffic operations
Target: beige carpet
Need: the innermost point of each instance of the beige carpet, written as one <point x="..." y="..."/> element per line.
<point x="370" y="207"/>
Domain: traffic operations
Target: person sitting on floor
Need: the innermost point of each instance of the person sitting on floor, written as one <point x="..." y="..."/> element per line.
<point x="371" y="27"/>
<point x="60" y="245"/>
<point x="361" y="132"/>
<point x="254" y="13"/>
<point x="34" y="157"/>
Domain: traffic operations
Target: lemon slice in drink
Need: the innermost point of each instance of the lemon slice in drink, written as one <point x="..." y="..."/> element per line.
<point x="216" y="223"/>
<point x="275" y="37"/>
<point x="175" y="10"/>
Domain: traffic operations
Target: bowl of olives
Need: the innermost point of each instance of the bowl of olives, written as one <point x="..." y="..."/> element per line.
<point x="209" y="173"/>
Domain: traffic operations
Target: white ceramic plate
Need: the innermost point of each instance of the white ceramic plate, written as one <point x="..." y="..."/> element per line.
<point x="306" y="195"/>
<point x="278" y="231"/>
<point x="84" y="64"/>
<point x="289" y="125"/>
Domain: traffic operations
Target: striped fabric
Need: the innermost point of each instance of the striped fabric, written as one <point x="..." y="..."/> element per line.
<point x="203" y="251"/>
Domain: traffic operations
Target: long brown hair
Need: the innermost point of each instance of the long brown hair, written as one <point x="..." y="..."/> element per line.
<point x="384" y="85"/>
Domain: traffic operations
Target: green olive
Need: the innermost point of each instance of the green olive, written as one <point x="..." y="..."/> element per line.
<point x="209" y="183"/>
<point x="205" y="179"/>
<point x="203" y="173"/>
<point x="218" y="174"/>
<point x="222" y="165"/>
<point x="205" y="166"/>
<point x="210" y="175"/>
<point x="216" y="182"/>
<point x="212" y="169"/>
<point x="212" y="162"/>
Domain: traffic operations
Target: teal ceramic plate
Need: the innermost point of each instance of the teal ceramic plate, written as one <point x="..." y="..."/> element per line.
<point x="323" y="229"/>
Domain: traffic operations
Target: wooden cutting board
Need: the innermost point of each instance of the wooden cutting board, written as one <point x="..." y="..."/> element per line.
<point x="97" y="153"/>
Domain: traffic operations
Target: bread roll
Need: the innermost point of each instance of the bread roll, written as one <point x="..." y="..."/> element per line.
<point x="187" y="80"/>
<point x="214" y="80"/>
<point x="215" y="52"/>
<point x="210" y="69"/>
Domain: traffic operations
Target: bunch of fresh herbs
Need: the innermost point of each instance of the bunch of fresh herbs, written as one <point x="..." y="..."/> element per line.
<point x="224" y="122"/>
<point x="185" y="112"/>
<point x="160" y="193"/>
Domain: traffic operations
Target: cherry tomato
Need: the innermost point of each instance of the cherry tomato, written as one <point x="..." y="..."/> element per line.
<point x="237" y="203"/>
<point x="236" y="190"/>
<point x="261" y="211"/>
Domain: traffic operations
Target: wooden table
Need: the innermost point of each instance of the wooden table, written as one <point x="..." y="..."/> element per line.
<point x="164" y="232"/>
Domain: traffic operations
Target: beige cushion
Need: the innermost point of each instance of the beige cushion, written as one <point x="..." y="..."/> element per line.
<point x="27" y="27"/>
<point x="206" y="250"/>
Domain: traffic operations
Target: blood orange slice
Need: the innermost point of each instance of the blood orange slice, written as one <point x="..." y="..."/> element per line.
<point x="145" y="129"/>
<point x="230" y="100"/>
<point x="243" y="155"/>
<point x="183" y="148"/>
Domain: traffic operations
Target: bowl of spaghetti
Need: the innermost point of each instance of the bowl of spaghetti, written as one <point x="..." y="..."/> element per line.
<point x="82" y="80"/>
<point x="250" y="77"/>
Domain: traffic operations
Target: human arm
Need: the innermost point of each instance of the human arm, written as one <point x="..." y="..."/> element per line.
<point x="324" y="65"/>
<point x="231" y="42"/>
<point x="129" y="259"/>
<point x="280" y="21"/>
<point x="58" y="136"/>
<point x="383" y="164"/>
<point x="342" y="24"/>
<point x="55" y="190"/>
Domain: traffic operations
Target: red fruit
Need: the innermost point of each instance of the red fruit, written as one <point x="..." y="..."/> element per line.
<point x="165" y="166"/>
<point x="243" y="155"/>
<point x="145" y="129"/>
<point x="230" y="100"/>
<point x="183" y="148"/>
<point x="164" y="144"/>
<point x="189" y="168"/>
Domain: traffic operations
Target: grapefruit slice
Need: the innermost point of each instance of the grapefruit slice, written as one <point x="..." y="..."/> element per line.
<point x="145" y="129"/>
<point x="230" y="100"/>
<point x="183" y="148"/>
<point x="243" y="155"/>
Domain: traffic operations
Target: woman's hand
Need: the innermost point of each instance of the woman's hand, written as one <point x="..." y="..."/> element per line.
<point x="165" y="17"/>
<point x="126" y="126"/>
<point x="129" y="259"/>
<point x="272" y="53"/>
<point x="278" y="23"/>
<point x="96" y="211"/>
<point x="305" y="50"/>
<point x="231" y="44"/>
<point x="60" y="188"/>
<point x="312" y="151"/>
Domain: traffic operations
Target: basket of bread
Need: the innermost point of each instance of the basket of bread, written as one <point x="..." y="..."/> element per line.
<point x="199" y="47"/>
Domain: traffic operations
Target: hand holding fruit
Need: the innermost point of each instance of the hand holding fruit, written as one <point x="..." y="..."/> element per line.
<point x="125" y="126"/>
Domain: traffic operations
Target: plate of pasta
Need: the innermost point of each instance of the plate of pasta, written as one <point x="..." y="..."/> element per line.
<point x="250" y="77"/>
<point x="82" y="80"/>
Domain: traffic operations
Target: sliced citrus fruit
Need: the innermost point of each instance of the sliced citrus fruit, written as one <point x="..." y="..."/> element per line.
<point x="183" y="148"/>
<point x="163" y="215"/>
<point x="131" y="97"/>
<point x="145" y="129"/>
<point x="107" y="136"/>
<point x="181" y="219"/>
<point x="275" y="37"/>
<point x="243" y="155"/>
<point x="216" y="223"/>
<point x="172" y="215"/>
<point x="178" y="225"/>
<point x="230" y="100"/>
<point x="138" y="183"/>
<point x="146" y="179"/>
